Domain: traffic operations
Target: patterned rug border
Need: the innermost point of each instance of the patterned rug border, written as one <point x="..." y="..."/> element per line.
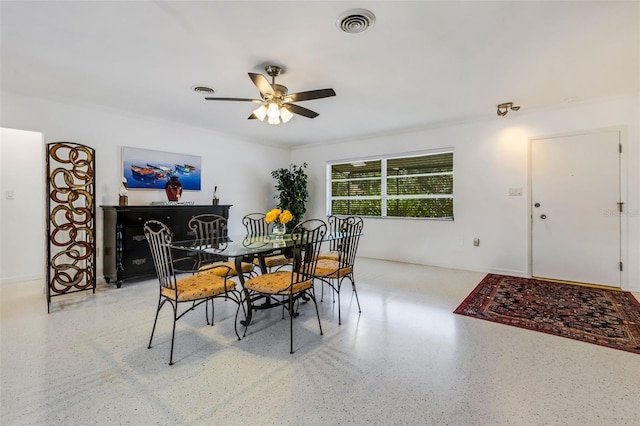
<point x="488" y="280"/>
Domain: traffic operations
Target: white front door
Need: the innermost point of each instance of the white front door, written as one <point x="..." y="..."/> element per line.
<point x="575" y="191"/>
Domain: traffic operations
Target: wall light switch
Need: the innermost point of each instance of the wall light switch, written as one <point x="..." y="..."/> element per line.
<point x="515" y="192"/>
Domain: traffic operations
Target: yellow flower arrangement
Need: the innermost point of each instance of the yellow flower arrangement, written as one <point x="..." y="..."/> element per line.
<point x="278" y="216"/>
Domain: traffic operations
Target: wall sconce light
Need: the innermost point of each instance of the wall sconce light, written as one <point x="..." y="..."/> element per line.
<point x="503" y="109"/>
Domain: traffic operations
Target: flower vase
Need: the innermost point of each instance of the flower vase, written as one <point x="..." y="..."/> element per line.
<point x="279" y="229"/>
<point x="173" y="189"/>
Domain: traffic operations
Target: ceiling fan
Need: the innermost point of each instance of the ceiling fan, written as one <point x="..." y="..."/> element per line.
<point x="277" y="106"/>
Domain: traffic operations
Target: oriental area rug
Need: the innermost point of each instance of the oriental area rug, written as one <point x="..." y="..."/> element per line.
<point x="595" y="315"/>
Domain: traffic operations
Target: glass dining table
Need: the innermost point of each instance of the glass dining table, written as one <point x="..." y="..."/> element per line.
<point x="241" y="249"/>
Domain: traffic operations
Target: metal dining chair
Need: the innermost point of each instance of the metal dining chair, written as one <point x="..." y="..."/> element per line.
<point x="286" y="288"/>
<point x="333" y="271"/>
<point x="210" y="230"/>
<point x="257" y="226"/>
<point x="194" y="289"/>
<point x="333" y="253"/>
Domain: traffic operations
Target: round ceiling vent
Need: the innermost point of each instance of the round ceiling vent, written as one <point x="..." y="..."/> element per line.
<point x="202" y="89"/>
<point x="355" y="21"/>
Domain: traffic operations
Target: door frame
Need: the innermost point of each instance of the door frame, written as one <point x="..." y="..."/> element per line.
<point x="623" y="171"/>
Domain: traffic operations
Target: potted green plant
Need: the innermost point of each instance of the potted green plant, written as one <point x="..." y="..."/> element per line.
<point x="292" y="187"/>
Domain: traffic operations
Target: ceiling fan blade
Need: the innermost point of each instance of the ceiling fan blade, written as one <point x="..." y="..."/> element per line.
<point x="297" y="109"/>
<point x="258" y="101"/>
<point x="310" y="95"/>
<point x="262" y="84"/>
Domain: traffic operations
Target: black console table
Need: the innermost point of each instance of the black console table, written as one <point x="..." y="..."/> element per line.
<point x="126" y="254"/>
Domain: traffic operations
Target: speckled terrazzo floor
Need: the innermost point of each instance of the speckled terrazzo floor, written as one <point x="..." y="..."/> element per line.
<point x="407" y="359"/>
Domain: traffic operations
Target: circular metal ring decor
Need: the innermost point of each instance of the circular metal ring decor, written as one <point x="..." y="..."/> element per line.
<point x="71" y="225"/>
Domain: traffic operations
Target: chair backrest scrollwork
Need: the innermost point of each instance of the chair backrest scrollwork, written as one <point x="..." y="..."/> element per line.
<point x="210" y="231"/>
<point x="351" y="227"/>
<point x="159" y="238"/>
<point x="307" y="237"/>
<point x="334" y="223"/>
<point x="255" y="224"/>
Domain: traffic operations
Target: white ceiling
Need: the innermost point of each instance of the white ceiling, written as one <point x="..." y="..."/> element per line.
<point x="423" y="63"/>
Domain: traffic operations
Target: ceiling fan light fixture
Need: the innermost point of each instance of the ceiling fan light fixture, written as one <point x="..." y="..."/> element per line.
<point x="260" y="112"/>
<point x="273" y="120"/>
<point x="272" y="110"/>
<point x="285" y="114"/>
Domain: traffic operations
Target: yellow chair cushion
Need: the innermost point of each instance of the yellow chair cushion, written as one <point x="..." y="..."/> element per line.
<point x="273" y="261"/>
<point x="331" y="269"/>
<point x="276" y="283"/>
<point x="330" y="255"/>
<point x="214" y="269"/>
<point x="198" y="287"/>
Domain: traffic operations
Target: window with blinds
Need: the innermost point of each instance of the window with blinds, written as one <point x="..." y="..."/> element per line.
<point x="416" y="186"/>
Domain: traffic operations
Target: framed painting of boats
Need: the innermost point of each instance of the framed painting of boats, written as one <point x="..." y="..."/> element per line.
<point x="150" y="169"/>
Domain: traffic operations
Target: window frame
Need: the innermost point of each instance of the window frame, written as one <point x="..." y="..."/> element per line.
<point x="384" y="176"/>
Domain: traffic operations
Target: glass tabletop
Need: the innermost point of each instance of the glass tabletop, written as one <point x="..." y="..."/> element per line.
<point x="245" y="246"/>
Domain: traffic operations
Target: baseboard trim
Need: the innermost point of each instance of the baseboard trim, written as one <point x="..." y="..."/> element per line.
<point x="604" y="287"/>
<point x="20" y="278"/>
<point x="497" y="271"/>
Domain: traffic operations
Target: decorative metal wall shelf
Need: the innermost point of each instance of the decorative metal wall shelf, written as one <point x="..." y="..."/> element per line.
<point x="71" y="227"/>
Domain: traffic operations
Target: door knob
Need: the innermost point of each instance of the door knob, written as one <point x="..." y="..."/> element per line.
<point x="536" y="205"/>
<point x="543" y="216"/>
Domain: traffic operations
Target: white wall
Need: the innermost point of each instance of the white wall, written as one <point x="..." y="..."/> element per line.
<point x="240" y="169"/>
<point x="489" y="157"/>
<point x="22" y="225"/>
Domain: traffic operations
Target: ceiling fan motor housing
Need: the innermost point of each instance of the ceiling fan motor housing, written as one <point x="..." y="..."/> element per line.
<point x="280" y="90"/>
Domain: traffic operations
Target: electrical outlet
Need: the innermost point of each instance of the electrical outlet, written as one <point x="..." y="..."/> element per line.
<point x="10" y="195"/>
<point x="476" y="242"/>
<point x="515" y="192"/>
